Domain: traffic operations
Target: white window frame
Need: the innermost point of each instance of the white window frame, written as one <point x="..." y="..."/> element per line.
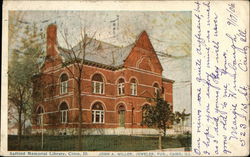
<point x="121" y="88"/>
<point x="64" y="116"/>
<point x="156" y="90"/>
<point x="133" y="88"/>
<point x="97" y="84"/>
<point x="101" y="116"/>
<point x="143" y="114"/>
<point x="40" y="119"/>
<point x="64" y="87"/>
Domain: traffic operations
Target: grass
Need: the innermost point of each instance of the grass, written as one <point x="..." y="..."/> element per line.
<point x="98" y="143"/>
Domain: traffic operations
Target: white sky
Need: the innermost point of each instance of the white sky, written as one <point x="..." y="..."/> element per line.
<point x="168" y="31"/>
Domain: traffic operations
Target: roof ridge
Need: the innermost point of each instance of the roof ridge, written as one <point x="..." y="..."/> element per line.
<point x="118" y="47"/>
<point x="113" y="55"/>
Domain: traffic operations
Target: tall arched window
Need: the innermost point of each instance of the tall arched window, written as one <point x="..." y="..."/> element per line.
<point x="133" y="87"/>
<point x="40" y="112"/>
<point x="97" y="113"/>
<point x="64" y="112"/>
<point x="64" y="84"/>
<point x="144" y="111"/>
<point x="121" y="113"/>
<point x="157" y="88"/>
<point x="121" y="86"/>
<point x="97" y="84"/>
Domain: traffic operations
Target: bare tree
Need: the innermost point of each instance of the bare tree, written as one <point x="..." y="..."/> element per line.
<point x="181" y="117"/>
<point x="76" y="57"/>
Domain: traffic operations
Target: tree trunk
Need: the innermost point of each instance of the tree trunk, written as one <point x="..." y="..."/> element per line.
<point x="160" y="142"/>
<point x="80" y="116"/>
<point x="182" y="126"/>
<point x="164" y="128"/>
<point x="19" y="128"/>
<point x="23" y="128"/>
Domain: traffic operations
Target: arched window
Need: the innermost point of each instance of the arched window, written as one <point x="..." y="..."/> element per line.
<point x="121" y="86"/>
<point x="121" y="113"/>
<point x="97" y="84"/>
<point x="157" y="88"/>
<point x="64" y="112"/>
<point x="144" y="111"/>
<point x="133" y="87"/>
<point x="97" y="113"/>
<point x="40" y="112"/>
<point x="64" y="84"/>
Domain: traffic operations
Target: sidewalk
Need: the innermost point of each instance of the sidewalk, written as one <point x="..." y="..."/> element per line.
<point x="174" y="149"/>
<point x="182" y="149"/>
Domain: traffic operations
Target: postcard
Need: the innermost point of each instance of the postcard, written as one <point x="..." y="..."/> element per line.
<point x="125" y="78"/>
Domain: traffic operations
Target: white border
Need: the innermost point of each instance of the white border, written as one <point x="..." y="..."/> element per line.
<point x="72" y="5"/>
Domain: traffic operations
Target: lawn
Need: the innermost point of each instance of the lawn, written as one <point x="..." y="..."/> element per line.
<point x="98" y="143"/>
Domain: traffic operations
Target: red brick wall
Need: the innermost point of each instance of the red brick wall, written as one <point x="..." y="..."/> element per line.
<point x="141" y="64"/>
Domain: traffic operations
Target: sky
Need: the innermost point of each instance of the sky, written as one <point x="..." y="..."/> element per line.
<point x="169" y="32"/>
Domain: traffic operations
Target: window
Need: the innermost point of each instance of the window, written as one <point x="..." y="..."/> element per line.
<point x="121" y="85"/>
<point x="97" y="113"/>
<point x="121" y="112"/>
<point x="97" y="84"/>
<point x="40" y="112"/>
<point x="144" y="111"/>
<point x="133" y="87"/>
<point x="157" y="89"/>
<point x="64" y="112"/>
<point x="64" y="84"/>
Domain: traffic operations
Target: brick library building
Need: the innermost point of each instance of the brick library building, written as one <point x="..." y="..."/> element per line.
<point x="116" y="83"/>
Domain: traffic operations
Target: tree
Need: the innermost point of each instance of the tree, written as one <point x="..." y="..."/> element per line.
<point x="76" y="57"/>
<point x="180" y="117"/>
<point x="15" y="25"/>
<point x="157" y="116"/>
<point x="23" y="64"/>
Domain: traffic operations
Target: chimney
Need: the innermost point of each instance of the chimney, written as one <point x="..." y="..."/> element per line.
<point x="51" y="40"/>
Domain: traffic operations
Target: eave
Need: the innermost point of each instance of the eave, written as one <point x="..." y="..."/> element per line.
<point x="167" y="80"/>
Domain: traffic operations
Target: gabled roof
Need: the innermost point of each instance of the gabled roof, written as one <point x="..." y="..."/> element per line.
<point x="144" y="42"/>
<point x="104" y="54"/>
<point x="99" y="52"/>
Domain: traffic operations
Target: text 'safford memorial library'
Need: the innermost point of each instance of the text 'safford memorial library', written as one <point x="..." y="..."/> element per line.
<point x="116" y="84"/>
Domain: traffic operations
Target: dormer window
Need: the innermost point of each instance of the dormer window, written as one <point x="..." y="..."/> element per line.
<point x="97" y="84"/>
<point x="133" y="87"/>
<point x="64" y="84"/>
<point x="121" y="86"/>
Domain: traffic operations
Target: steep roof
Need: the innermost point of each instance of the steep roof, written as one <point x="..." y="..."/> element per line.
<point x="106" y="55"/>
<point x="99" y="52"/>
